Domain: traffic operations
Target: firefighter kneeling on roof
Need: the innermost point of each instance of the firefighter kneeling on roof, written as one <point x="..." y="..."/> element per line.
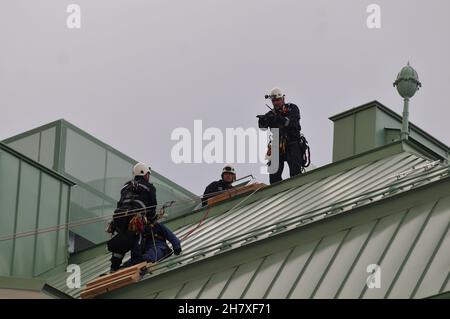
<point x="136" y="210"/>
<point x="152" y="245"/>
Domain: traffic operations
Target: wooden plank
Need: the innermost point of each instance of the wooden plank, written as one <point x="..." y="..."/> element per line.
<point x="107" y="280"/>
<point x="118" y="283"/>
<point x="234" y="192"/>
<point x="96" y="291"/>
<point x="110" y="280"/>
<point x="116" y="274"/>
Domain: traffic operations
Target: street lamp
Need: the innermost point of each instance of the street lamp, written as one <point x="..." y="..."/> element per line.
<point x="407" y="84"/>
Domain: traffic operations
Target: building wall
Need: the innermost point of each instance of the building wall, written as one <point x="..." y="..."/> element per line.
<point x="366" y="127"/>
<point x="31" y="198"/>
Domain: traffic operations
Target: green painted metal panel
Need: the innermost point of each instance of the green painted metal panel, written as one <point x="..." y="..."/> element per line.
<point x="421" y="251"/>
<point x="365" y="129"/>
<point x="169" y="293"/>
<point x="47" y="217"/>
<point x="27" y="209"/>
<point x="382" y="235"/>
<point x="266" y="275"/>
<point x="292" y="270"/>
<point x="368" y="131"/>
<point x="343" y="138"/>
<point x="349" y="251"/>
<point x="29" y="204"/>
<point x="235" y="287"/>
<point x="22" y="283"/>
<point x="316" y="266"/>
<point x="62" y="237"/>
<point x="216" y="284"/>
<point x="385" y="124"/>
<point x="391" y="135"/>
<point x="436" y="271"/>
<point x="391" y="262"/>
<point x="192" y="288"/>
<point x="9" y="180"/>
<point x="446" y="286"/>
<point x="354" y="134"/>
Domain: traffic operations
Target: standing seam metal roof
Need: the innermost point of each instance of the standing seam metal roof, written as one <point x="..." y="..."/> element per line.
<point x="282" y="212"/>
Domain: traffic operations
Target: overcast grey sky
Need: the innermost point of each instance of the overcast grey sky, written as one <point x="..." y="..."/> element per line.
<point x="136" y="70"/>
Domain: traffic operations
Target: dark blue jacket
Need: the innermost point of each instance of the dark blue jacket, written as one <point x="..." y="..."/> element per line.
<point x="279" y="119"/>
<point x="131" y="198"/>
<point x="213" y="189"/>
<point x="161" y="234"/>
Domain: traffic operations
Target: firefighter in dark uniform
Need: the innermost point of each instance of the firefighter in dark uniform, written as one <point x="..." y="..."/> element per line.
<point x="136" y="206"/>
<point x="285" y="117"/>
<point x="228" y="177"/>
<point x="153" y="246"/>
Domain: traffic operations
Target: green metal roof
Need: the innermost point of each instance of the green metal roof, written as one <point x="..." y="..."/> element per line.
<point x="294" y="207"/>
<point x="411" y="248"/>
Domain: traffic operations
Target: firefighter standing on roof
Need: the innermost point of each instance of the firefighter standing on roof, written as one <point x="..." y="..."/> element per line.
<point x="137" y="204"/>
<point x="285" y="117"/>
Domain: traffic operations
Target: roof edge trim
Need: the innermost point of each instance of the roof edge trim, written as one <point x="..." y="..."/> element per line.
<point x="37" y="165"/>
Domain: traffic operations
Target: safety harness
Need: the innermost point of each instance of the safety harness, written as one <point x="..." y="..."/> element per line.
<point x="304" y="147"/>
<point x="130" y="201"/>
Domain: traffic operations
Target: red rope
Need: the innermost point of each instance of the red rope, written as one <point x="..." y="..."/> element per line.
<point x="198" y="225"/>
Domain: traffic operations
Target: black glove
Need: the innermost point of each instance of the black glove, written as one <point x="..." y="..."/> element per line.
<point x="177" y="251"/>
<point x="262" y="121"/>
<point x="278" y="121"/>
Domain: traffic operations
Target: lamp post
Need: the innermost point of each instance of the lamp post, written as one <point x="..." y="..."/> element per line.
<point x="407" y="84"/>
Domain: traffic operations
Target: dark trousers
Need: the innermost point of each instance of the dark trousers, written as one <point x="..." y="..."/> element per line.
<point x="119" y="245"/>
<point x="293" y="156"/>
<point x="148" y="251"/>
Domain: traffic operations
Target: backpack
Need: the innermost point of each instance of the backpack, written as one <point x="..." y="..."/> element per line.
<point x="129" y="201"/>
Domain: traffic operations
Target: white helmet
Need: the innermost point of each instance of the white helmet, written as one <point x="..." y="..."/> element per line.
<point x="229" y="169"/>
<point x="275" y="93"/>
<point x="141" y="169"/>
